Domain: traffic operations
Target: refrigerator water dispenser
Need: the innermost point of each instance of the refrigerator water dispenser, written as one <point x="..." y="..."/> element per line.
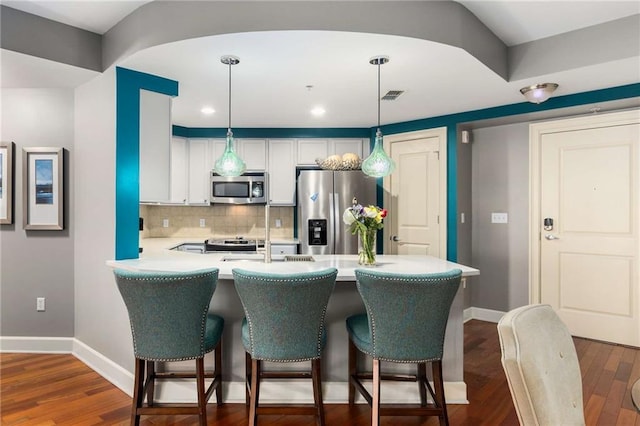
<point x="317" y="232"/>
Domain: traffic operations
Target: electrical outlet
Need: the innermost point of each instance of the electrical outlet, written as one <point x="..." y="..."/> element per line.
<point x="278" y="223"/>
<point x="165" y="223"/>
<point x="40" y="304"/>
<point x="202" y="223"/>
<point x="499" y="218"/>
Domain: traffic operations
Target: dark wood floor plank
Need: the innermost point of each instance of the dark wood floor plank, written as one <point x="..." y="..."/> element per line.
<point x="45" y="389"/>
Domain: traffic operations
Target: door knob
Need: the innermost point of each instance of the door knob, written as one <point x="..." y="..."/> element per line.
<point x="395" y="238"/>
<point x="551" y="237"/>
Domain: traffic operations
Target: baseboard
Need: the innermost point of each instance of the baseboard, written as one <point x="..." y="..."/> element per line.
<point x="296" y="391"/>
<point x="28" y="344"/>
<point x="300" y="392"/>
<point x="482" y="314"/>
<point x="102" y="365"/>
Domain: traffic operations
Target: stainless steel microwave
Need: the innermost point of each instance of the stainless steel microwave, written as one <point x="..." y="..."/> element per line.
<point x="250" y="188"/>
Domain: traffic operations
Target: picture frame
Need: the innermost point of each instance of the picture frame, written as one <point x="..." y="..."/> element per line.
<point x="6" y="182"/>
<point x="43" y="188"/>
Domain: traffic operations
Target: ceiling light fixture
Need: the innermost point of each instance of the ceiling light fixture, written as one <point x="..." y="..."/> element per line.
<point x="318" y="111"/>
<point x="230" y="164"/>
<point x="538" y="93"/>
<point x="378" y="164"/>
<point x="207" y="110"/>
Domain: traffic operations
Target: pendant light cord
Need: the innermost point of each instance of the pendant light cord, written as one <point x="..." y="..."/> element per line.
<point x="379" y="94"/>
<point x="229" y="128"/>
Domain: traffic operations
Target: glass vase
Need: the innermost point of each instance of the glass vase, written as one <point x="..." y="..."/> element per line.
<point x="367" y="247"/>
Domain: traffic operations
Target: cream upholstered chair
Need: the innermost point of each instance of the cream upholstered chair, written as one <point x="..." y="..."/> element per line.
<point x="541" y="365"/>
<point x="170" y="321"/>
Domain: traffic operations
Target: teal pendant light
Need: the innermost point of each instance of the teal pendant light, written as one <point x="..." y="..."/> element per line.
<point x="230" y="164"/>
<point x="378" y="164"/>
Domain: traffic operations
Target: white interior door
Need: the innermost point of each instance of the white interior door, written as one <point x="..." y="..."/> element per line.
<point x="415" y="194"/>
<point x="589" y="255"/>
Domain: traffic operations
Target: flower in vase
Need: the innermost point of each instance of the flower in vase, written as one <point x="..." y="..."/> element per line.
<point x="361" y="219"/>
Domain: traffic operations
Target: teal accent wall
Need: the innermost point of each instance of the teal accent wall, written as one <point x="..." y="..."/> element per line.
<point x="127" y="146"/>
<point x="128" y="85"/>
<point x="266" y="133"/>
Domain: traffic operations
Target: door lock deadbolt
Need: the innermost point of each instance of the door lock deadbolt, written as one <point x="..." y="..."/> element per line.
<point x="548" y="224"/>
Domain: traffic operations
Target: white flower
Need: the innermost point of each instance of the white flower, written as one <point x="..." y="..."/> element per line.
<point x="370" y="212"/>
<point x="348" y="217"/>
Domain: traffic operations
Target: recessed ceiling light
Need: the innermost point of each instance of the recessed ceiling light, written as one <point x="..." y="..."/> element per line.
<point x="207" y="110"/>
<point x="318" y="111"/>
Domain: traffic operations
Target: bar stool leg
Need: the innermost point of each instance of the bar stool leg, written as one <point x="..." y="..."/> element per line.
<point x="138" y="395"/>
<point x="375" y="403"/>
<point x="202" y="400"/>
<point x="353" y="369"/>
<point x="247" y="387"/>
<point x="218" y="371"/>
<point x="151" y="381"/>
<point x="255" y="391"/>
<point x="438" y="385"/>
<point x="422" y="379"/>
<point x="316" y="375"/>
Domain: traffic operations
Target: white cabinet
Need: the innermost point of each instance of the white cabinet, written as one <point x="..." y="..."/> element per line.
<point x="253" y="152"/>
<point x="282" y="172"/>
<point x="179" y="166"/>
<point x="311" y="149"/>
<point x="155" y="146"/>
<point x="284" y="249"/>
<point x="342" y="146"/>
<point x="198" y="192"/>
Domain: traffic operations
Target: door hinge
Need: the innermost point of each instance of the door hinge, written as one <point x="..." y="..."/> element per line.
<point x="438" y="219"/>
<point x="437" y="154"/>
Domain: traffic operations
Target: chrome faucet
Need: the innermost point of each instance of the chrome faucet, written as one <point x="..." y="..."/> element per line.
<point x="267" y="236"/>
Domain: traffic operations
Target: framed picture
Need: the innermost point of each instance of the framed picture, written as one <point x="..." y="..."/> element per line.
<point x="6" y="182"/>
<point x="42" y="188"/>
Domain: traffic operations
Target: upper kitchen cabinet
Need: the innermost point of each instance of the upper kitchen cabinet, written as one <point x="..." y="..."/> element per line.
<point x="198" y="172"/>
<point x="155" y="146"/>
<point x="282" y="172"/>
<point x="179" y="170"/>
<point x="253" y="152"/>
<point x="309" y="150"/>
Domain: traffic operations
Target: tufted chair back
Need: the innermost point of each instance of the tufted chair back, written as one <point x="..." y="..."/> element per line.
<point x="541" y="364"/>
<point x="407" y="313"/>
<point x="284" y="313"/>
<point x="168" y="312"/>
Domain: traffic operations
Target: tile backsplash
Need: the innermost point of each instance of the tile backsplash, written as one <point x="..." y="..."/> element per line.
<point x="219" y="221"/>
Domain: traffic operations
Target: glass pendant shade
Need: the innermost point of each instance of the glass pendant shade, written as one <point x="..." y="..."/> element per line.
<point x="378" y="164"/>
<point x="230" y="164"/>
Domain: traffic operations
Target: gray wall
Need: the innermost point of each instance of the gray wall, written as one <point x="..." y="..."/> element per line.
<point x="37" y="263"/>
<point x="500" y="183"/>
<point x="464" y="207"/>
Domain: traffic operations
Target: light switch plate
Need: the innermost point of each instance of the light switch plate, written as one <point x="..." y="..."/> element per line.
<point x="499" y="218"/>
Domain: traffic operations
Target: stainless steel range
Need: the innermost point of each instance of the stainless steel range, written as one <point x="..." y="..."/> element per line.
<point x="230" y="245"/>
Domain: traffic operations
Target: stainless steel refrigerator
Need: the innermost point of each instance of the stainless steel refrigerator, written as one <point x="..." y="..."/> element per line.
<point x="323" y="196"/>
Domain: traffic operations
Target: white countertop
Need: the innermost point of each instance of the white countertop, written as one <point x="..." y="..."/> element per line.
<point x="158" y="257"/>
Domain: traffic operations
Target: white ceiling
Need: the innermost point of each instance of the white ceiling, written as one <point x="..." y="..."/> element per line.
<point x="269" y="84"/>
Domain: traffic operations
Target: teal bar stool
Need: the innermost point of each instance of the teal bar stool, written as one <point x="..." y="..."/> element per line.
<point x="284" y="323"/>
<point x="170" y="321"/>
<point x="405" y="321"/>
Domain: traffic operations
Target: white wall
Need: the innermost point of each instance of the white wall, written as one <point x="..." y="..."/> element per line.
<point x="101" y="320"/>
<point x="500" y="183"/>
<point x="38" y="263"/>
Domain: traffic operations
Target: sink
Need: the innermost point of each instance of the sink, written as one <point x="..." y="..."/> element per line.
<point x="260" y="258"/>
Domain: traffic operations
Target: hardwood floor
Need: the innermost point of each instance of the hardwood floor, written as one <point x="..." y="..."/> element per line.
<point x="42" y="389"/>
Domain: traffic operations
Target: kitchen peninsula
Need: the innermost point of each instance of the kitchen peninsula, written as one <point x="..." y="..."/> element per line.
<point x="344" y="302"/>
